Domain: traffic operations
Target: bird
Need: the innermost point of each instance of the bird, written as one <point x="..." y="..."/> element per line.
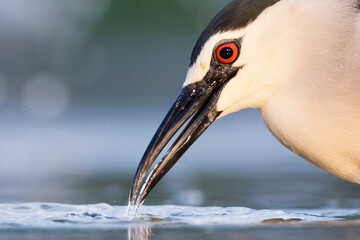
<point x="298" y="61"/>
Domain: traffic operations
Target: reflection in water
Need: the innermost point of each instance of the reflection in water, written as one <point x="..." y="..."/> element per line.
<point x="139" y="233"/>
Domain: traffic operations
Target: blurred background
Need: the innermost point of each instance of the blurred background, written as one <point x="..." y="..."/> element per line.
<point x="84" y="85"/>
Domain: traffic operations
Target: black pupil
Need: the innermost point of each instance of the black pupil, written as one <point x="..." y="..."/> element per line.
<point x="226" y="53"/>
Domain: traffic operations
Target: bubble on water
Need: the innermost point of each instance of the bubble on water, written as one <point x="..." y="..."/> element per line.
<point x="45" y="97"/>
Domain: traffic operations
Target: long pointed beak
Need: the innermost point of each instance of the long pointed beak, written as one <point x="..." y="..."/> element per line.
<point x="198" y="100"/>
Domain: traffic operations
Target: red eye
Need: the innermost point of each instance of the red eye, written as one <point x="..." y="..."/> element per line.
<point x="227" y="53"/>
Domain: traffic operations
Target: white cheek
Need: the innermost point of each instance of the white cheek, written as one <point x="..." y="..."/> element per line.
<point x="232" y="93"/>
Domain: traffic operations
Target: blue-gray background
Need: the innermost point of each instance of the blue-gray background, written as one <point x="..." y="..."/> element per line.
<point x="85" y="83"/>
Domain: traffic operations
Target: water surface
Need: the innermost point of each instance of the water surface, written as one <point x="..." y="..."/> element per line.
<point x="41" y="218"/>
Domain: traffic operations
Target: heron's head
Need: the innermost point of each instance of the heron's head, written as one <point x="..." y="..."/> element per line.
<point x="247" y="54"/>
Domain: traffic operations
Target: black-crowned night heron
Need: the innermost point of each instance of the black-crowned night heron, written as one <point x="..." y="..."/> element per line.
<point x="296" y="60"/>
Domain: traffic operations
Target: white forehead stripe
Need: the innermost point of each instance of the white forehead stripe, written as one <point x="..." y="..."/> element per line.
<point x="202" y="65"/>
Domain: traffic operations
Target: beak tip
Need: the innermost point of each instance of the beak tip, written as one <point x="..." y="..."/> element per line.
<point x="141" y="198"/>
<point x="131" y="199"/>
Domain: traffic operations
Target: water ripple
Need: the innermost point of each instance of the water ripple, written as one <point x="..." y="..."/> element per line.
<point x="59" y="216"/>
